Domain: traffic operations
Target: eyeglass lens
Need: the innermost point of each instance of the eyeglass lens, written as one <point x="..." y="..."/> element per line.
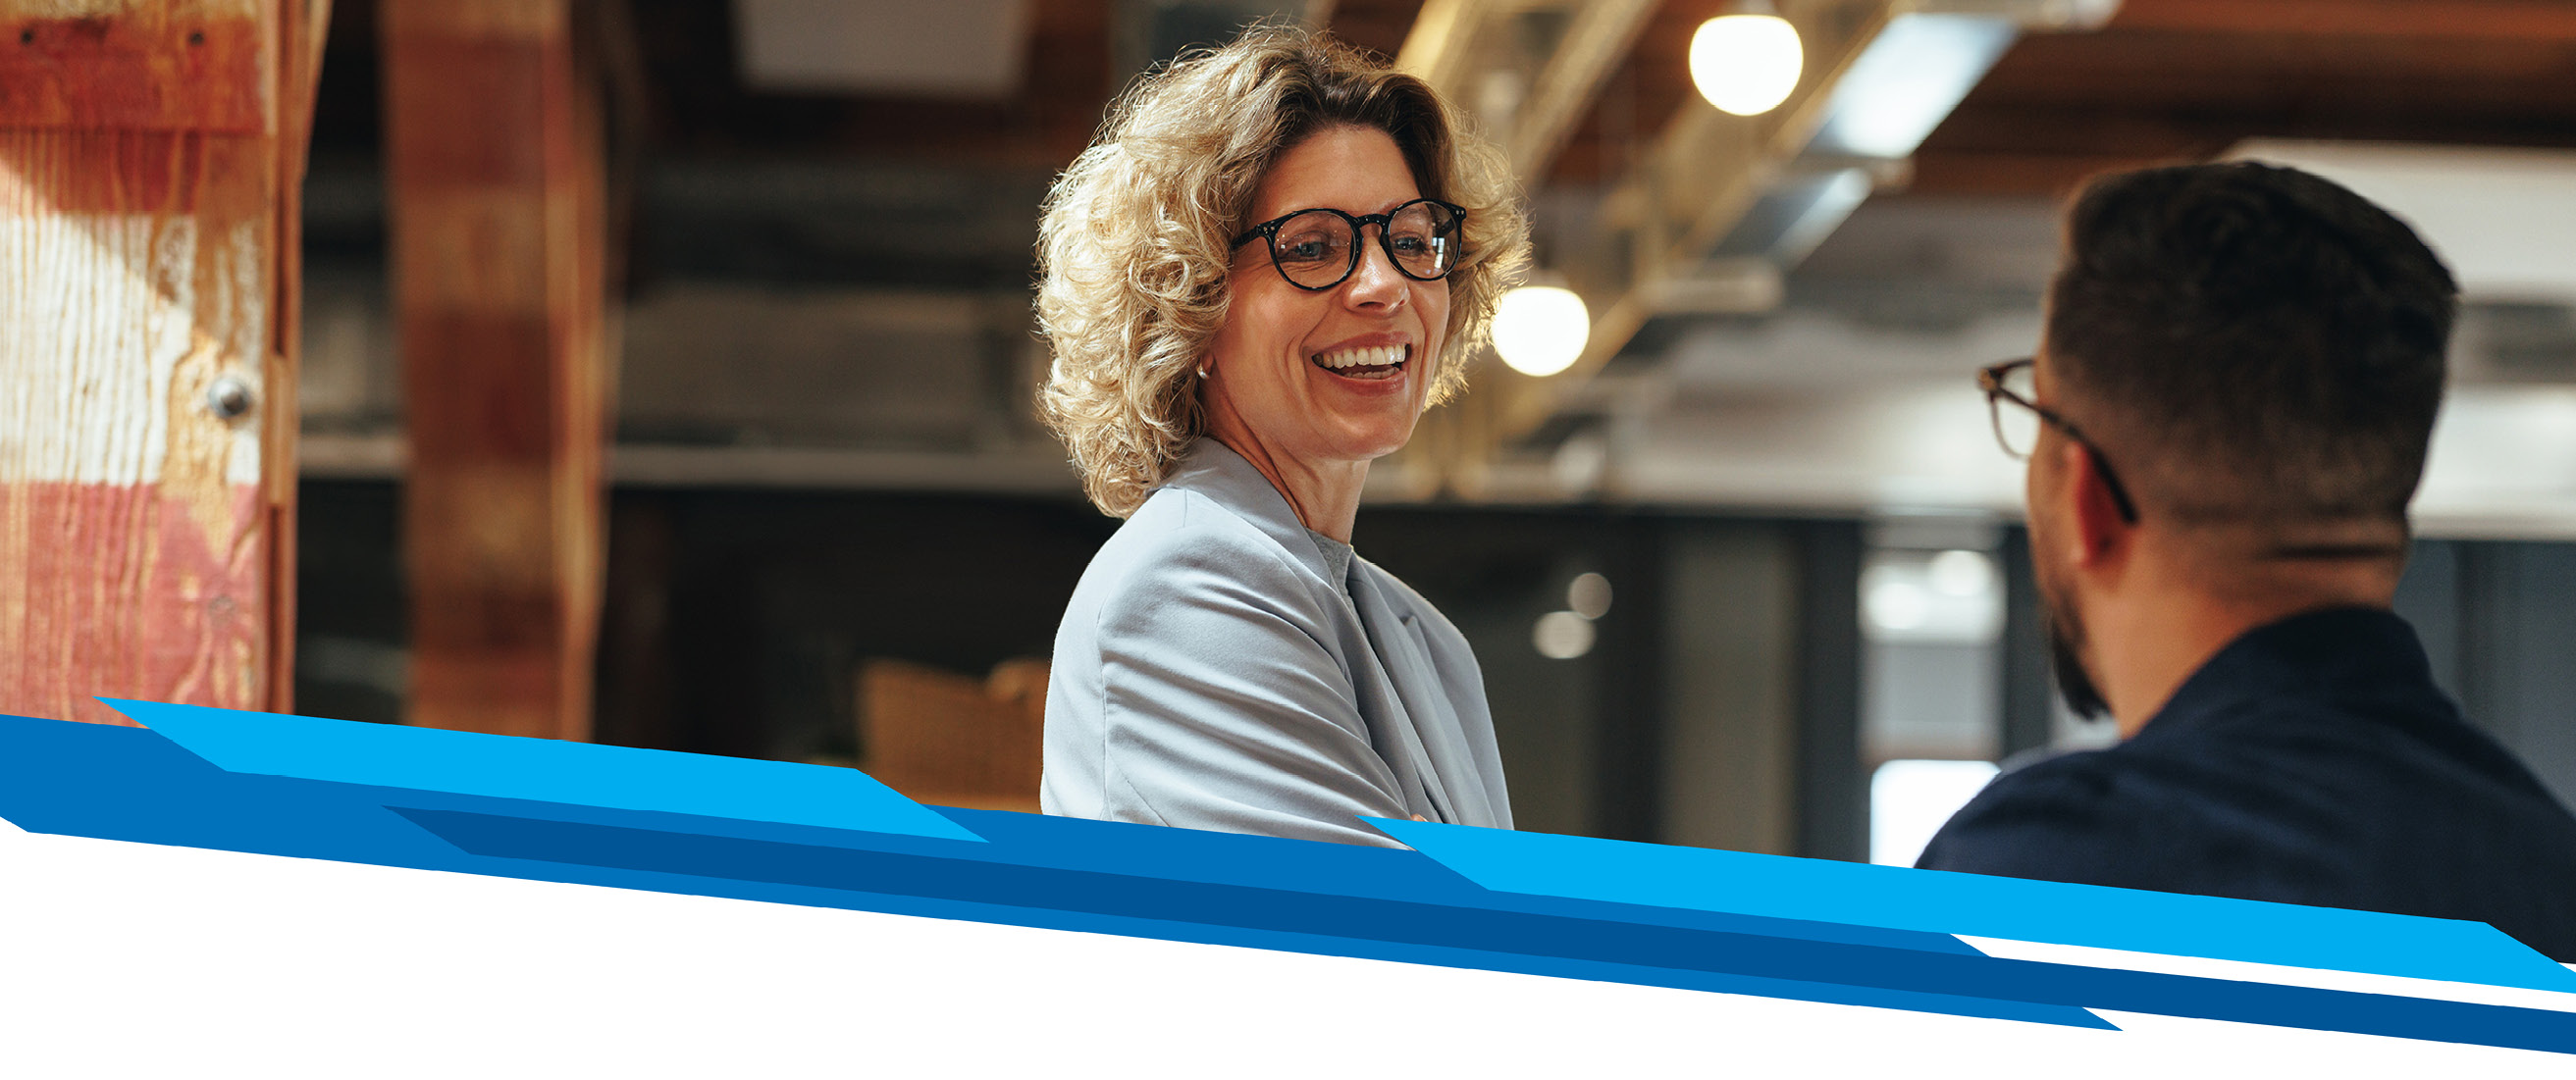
<point x="2017" y="426"/>
<point x="1315" y="248"/>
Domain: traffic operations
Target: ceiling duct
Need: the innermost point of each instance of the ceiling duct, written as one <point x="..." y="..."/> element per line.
<point x="2521" y="342"/>
<point x="1713" y="195"/>
<point x="2505" y="220"/>
<point x="1918" y="68"/>
<point x="967" y="49"/>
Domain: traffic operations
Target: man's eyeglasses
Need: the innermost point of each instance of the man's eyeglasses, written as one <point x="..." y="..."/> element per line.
<point x="1316" y="249"/>
<point x="2017" y="381"/>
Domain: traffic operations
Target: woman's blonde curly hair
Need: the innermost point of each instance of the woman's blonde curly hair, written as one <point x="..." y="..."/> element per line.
<point x="1133" y="245"/>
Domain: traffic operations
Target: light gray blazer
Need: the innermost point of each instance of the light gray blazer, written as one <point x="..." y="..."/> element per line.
<point x="1222" y="668"/>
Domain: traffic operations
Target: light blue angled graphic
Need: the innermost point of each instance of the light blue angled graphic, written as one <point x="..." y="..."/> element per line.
<point x="1901" y="898"/>
<point x="543" y="770"/>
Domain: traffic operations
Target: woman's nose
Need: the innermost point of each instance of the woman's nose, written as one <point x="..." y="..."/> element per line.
<point x="1376" y="282"/>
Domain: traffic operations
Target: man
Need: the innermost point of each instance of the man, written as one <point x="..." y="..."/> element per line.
<point x="2224" y="425"/>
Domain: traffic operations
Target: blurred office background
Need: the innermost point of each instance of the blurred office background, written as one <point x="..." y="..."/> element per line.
<point x="1747" y="574"/>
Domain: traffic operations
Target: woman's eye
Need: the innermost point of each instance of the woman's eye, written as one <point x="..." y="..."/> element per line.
<point x="1305" y="249"/>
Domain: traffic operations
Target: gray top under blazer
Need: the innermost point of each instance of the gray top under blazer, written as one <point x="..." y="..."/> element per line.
<point x="1220" y="667"/>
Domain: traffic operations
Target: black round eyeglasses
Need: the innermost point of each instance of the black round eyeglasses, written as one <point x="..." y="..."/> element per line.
<point x="1318" y="248"/>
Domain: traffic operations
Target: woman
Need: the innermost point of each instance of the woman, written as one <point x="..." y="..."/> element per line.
<point x="1274" y="259"/>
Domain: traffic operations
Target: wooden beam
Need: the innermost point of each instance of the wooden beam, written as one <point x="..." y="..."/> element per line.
<point x="150" y="157"/>
<point x="1378" y="26"/>
<point x="1454" y="42"/>
<point x="1436" y="48"/>
<point x="1694" y="181"/>
<point x="2519" y="20"/>
<point x="2050" y="176"/>
<point x="2062" y="107"/>
<point x="1452" y="45"/>
<point x="494" y="144"/>
<point x="1598" y="36"/>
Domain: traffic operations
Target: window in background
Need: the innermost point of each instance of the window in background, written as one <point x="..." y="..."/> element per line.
<point x="1909" y="799"/>
<point x="1932" y="627"/>
<point x="1932" y="614"/>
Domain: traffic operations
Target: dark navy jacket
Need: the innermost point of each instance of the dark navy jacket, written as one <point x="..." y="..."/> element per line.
<point x="2312" y="761"/>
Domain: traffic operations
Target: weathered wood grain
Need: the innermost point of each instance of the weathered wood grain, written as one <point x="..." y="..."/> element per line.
<point x="172" y="65"/>
<point x="494" y="138"/>
<point x="149" y="159"/>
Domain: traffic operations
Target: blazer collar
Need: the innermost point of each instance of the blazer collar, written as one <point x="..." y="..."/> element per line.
<point x="1215" y="472"/>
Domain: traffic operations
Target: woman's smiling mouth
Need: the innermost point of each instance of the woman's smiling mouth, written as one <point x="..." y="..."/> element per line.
<point x="1364" y="362"/>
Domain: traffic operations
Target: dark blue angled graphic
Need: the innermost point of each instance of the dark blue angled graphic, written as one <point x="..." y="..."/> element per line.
<point x="1470" y="898"/>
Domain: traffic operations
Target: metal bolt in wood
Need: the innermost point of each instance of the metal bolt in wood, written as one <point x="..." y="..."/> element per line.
<point x="230" y="398"/>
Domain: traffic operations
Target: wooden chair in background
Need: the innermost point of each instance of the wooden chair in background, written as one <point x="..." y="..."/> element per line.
<point x="952" y="740"/>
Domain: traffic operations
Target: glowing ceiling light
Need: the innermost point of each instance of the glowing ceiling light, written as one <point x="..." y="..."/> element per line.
<point x="1562" y="635"/>
<point x="1897" y="605"/>
<point x="1588" y="595"/>
<point x="1962" y="573"/>
<point x="1746" y="64"/>
<point x="1540" y="329"/>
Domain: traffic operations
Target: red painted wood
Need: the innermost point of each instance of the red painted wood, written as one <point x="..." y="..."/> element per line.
<point x="171" y="66"/>
<point x="147" y="196"/>
<point x="155" y="592"/>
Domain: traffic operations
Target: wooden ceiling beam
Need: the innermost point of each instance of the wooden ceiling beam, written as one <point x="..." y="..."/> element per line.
<point x="1692" y="184"/>
<point x="2520" y="20"/>
<point x="1600" y="36"/>
<point x="2174" y="80"/>
<point x="2025" y="175"/>
<point x="1455" y="43"/>
<point x="2148" y="69"/>
<point x="1378" y="26"/>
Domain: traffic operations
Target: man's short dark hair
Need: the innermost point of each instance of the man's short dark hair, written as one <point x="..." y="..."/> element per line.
<point x="2254" y="343"/>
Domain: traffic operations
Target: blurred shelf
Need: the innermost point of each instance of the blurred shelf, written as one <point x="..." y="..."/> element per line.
<point x="381" y="456"/>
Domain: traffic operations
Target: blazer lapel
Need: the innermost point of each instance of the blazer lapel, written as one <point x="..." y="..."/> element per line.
<point x="1420" y="709"/>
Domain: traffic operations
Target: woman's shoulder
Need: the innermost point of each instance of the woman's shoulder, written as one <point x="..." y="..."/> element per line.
<point x="1182" y="526"/>
<point x="1181" y="542"/>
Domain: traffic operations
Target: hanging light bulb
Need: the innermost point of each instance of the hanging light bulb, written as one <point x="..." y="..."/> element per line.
<point x="1746" y="64"/>
<point x="1541" y="329"/>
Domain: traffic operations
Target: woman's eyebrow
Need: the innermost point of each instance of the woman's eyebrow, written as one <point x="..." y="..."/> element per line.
<point x="1389" y="205"/>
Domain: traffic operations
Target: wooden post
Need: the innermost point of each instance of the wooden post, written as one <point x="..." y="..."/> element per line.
<point x="151" y="153"/>
<point x="494" y="151"/>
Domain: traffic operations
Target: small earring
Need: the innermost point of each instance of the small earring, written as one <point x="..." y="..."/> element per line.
<point x="1202" y="371"/>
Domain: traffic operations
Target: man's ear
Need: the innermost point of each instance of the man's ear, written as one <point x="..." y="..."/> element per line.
<point x="2100" y="533"/>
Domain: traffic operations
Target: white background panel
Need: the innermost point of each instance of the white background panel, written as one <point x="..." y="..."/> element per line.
<point x="2245" y="971"/>
<point x="135" y="960"/>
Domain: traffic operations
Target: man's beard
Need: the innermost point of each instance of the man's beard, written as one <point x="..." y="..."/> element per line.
<point x="2066" y="654"/>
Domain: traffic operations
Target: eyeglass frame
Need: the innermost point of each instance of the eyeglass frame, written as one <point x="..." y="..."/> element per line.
<point x="1990" y="379"/>
<point x="1268" y="231"/>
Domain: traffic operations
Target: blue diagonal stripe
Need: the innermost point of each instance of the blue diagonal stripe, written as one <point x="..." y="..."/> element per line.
<point x="1978" y="905"/>
<point x="546" y="770"/>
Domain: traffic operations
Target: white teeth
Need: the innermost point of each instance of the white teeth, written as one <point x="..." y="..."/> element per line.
<point x="1379" y="356"/>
